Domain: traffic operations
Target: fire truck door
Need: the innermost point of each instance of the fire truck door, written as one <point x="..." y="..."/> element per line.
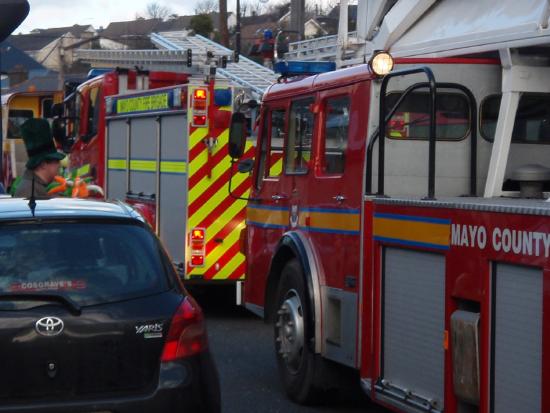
<point x="267" y="218"/>
<point x="147" y="164"/>
<point x="330" y="215"/>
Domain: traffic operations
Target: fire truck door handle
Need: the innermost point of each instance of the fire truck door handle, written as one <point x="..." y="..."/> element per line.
<point x="278" y="197"/>
<point x="339" y="198"/>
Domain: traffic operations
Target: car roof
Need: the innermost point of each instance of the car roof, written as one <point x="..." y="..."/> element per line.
<point x="15" y="208"/>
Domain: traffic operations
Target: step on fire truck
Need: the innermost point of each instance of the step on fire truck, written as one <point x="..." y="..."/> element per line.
<point x="398" y="221"/>
<point x="158" y="140"/>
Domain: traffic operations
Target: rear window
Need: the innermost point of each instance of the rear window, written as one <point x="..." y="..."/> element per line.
<point x="412" y="118"/>
<point x="532" y="123"/>
<point x="91" y="263"/>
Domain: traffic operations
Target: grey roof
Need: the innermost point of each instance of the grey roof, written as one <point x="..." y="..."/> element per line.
<point x="48" y="83"/>
<point x="18" y="208"/>
<point x="135" y="33"/>
<point x="119" y="30"/>
<point x="13" y="59"/>
<point x="40" y="38"/>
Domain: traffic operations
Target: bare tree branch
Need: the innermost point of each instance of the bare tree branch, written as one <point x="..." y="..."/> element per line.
<point x="206" y="6"/>
<point x="155" y="10"/>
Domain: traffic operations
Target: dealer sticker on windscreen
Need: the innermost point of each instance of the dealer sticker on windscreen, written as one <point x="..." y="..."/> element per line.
<point x="52" y="285"/>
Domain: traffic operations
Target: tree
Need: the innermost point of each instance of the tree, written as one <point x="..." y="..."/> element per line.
<point x="256" y="7"/>
<point x="206" y="6"/>
<point x="202" y="24"/>
<point x="155" y="10"/>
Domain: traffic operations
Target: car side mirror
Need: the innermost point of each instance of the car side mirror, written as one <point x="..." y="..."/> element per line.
<point x="237" y="135"/>
<point x="57" y="110"/>
<point x="58" y="130"/>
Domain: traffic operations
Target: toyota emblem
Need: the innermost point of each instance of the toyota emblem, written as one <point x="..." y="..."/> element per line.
<point x="49" y="326"/>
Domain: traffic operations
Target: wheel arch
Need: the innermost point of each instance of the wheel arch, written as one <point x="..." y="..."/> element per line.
<point x="295" y="245"/>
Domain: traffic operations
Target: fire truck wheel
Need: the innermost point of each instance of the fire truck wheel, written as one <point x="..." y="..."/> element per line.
<point x="295" y="360"/>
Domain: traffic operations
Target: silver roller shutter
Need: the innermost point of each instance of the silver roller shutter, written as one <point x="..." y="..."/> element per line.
<point x="517" y="339"/>
<point x="413" y="322"/>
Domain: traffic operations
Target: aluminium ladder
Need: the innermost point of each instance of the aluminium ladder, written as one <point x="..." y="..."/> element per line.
<point x="172" y="56"/>
<point x="245" y="72"/>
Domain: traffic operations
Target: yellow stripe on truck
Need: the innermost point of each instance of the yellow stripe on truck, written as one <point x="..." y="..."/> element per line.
<point x="142" y="165"/>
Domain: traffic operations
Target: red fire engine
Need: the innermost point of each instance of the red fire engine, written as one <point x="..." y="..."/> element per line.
<point x="85" y="120"/>
<point x="158" y="141"/>
<point x="398" y="222"/>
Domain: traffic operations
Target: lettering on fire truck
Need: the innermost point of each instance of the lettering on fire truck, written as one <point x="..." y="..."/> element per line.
<point x="508" y="240"/>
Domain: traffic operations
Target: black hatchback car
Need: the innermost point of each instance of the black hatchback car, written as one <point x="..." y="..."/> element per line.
<point x="93" y="317"/>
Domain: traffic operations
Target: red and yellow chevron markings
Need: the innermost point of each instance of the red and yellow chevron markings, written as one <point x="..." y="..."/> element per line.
<point x="211" y="207"/>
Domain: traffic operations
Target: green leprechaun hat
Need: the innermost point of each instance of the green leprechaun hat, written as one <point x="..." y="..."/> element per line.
<point x="38" y="140"/>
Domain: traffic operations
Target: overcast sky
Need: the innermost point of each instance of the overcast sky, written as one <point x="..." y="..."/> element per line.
<point x="60" y="13"/>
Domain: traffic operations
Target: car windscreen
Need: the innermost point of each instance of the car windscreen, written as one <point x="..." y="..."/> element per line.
<point x="89" y="262"/>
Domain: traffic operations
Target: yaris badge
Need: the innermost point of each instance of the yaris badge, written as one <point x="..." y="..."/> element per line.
<point x="49" y="326"/>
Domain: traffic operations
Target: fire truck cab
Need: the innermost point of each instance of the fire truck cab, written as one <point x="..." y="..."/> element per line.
<point x="398" y="222"/>
<point x="81" y="131"/>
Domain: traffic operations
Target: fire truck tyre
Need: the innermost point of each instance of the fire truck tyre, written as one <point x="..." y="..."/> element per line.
<point x="295" y="360"/>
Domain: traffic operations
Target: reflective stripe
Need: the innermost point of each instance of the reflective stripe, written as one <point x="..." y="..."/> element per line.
<point x="222" y="259"/>
<point x="174" y="167"/>
<point x="139" y="165"/>
<point x="237" y="260"/>
<point x="116" y="164"/>
<point x="142" y="165"/>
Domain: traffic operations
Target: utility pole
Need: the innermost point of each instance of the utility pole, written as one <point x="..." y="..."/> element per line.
<point x="297" y="17"/>
<point x="224" y="32"/>
<point x="238" y="31"/>
<point x="61" y="55"/>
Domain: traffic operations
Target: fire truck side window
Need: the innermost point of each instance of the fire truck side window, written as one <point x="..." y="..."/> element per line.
<point x="93" y="111"/>
<point x="412" y="119"/>
<point x="272" y="144"/>
<point x="532" y="124"/>
<point x="336" y="134"/>
<point x="277" y="133"/>
<point x="300" y="132"/>
<point x="263" y="150"/>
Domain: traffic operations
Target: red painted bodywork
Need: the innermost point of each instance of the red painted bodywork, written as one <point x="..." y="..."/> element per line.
<point x="147" y="209"/>
<point x="92" y="152"/>
<point x="468" y="277"/>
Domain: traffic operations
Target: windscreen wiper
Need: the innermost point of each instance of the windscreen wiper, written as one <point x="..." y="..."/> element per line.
<point x="73" y="307"/>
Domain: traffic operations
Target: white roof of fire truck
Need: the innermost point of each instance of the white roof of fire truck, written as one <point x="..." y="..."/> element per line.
<point x="430" y="28"/>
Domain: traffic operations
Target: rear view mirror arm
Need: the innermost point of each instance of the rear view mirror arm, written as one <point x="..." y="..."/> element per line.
<point x="231" y="194"/>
